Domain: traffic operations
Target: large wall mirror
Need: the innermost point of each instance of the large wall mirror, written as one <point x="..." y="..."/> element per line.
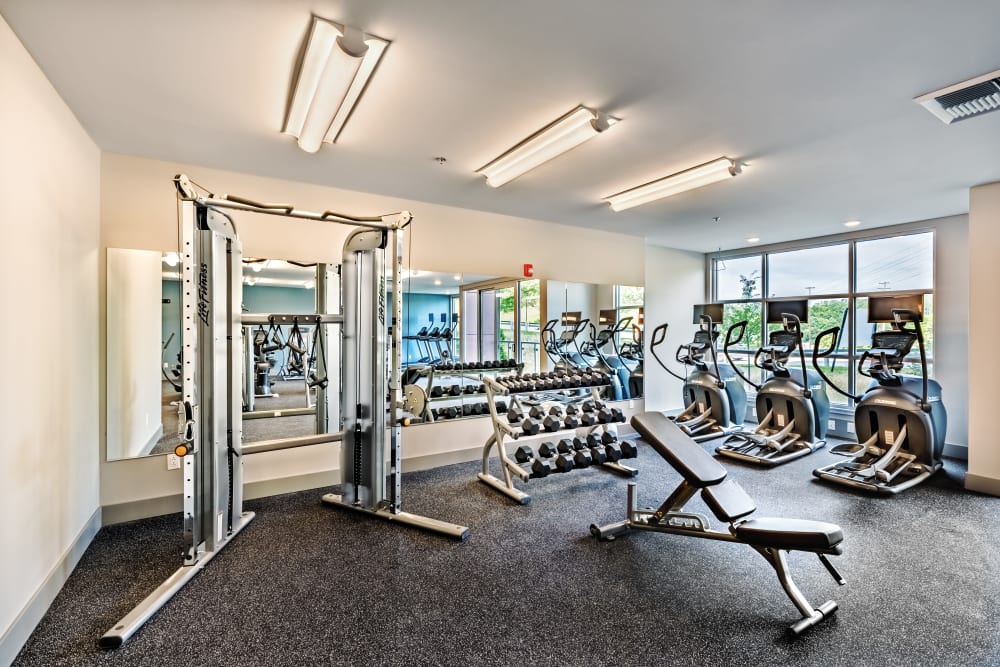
<point x="456" y="328"/>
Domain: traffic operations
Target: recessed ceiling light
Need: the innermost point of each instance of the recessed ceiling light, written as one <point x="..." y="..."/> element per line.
<point x="753" y="239"/>
<point x="171" y="259"/>
<point x="437" y="282"/>
<point x="457" y="277"/>
<point x="852" y="223"/>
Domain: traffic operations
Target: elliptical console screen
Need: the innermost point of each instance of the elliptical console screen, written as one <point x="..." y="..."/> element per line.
<point x="880" y="307"/>
<point x="799" y="308"/>
<point x="713" y="310"/>
<point x="571" y="318"/>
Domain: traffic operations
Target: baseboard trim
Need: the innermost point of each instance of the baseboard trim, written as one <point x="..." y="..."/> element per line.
<point x="982" y="484"/>
<point x="17" y="634"/>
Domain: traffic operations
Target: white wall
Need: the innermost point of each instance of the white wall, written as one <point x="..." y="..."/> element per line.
<point x="675" y="281"/>
<point x="49" y="187"/>
<point x="984" y="323"/>
<point x="134" y="291"/>
<point x="951" y="323"/>
<point x="138" y="211"/>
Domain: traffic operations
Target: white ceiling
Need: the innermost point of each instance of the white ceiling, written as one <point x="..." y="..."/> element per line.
<point x="816" y="96"/>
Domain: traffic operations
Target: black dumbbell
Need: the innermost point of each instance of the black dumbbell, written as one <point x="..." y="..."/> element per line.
<point x="448" y="413"/>
<point x="582" y="459"/>
<point x="565" y="446"/>
<point x="547" y="449"/>
<point x="580" y="443"/>
<point x="571" y="421"/>
<point x="608" y="437"/>
<point x="629" y="450"/>
<point x="456" y="390"/>
<point x="500" y="405"/>
<point x="437" y="392"/>
<point x="588" y="419"/>
<point x="594" y="439"/>
<point x="536" y="412"/>
<point x="467" y="410"/>
<point x="614" y="451"/>
<point x="588" y="406"/>
<point x="479" y="408"/>
<point x="572" y="409"/>
<point x="619" y="416"/>
<point x="598" y="454"/>
<point x="514" y="415"/>
<point x="551" y="424"/>
<point x="469" y="389"/>
<point x="564" y="463"/>
<point x="542" y="468"/>
<point x="530" y="426"/>
<point x="523" y="454"/>
<point x="605" y="416"/>
<point x="556" y="411"/>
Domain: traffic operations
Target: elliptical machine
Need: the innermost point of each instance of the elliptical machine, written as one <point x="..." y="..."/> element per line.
<point x="632" y="351"/>
<point x="900" y="420"/>
<point x="792" y="413"/>
<point x="612" y="363"/>
<point x="714" y="400"/>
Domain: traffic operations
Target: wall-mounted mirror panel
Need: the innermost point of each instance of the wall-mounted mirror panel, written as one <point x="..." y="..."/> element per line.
<point x="456" y="328"/>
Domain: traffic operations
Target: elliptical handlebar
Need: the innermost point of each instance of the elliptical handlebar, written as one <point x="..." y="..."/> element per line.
<point x="655" y="340"/>
<point x="796" y="329"/>
<point x="730" y="341"/>
<point x="710" y="327"/>
<point x="913" y="317"/>
<point x="816" y="355"/>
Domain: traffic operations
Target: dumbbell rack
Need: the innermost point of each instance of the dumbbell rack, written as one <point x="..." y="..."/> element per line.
<point x="477" y="375"/>
<point x="511" y="468"/>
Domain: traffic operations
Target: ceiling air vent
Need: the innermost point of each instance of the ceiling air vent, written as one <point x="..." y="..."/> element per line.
<point x="968" y="99"/>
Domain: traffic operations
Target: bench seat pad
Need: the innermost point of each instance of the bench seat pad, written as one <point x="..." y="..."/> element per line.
<point x="792" y="534"/>
<point x="682" y="453"/>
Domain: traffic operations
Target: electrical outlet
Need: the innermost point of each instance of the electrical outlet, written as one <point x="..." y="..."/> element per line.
<point x="631" y="404"/>
<point x="173" y="462"/>
<point x="832" y="425"/>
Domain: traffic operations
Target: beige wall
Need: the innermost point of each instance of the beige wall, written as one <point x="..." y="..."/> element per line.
<point x="951" y="323"/>
<point x="49" y="185"/>
<point x="984" y="323"/>
<point x="138" y="211"/>
<point x="675" y="281"/>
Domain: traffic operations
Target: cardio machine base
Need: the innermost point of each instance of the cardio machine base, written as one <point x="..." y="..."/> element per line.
<point x="762" y="448"/>
<point x="841" y="473"/>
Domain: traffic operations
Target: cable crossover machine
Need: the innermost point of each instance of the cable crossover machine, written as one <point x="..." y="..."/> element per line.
<point x="212" y="379"/>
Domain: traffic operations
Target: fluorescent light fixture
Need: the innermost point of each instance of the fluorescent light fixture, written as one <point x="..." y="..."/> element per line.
<point x="552" y="140"/>
<point x="753" y="239"/>
<point x="333" y="75"/>
<point x="852" y="223"/>
<point x="689" y="179"/>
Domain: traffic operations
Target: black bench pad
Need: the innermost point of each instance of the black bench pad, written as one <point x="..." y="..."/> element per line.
<point x="695" y="464"/>
<point x="792" y="534"/>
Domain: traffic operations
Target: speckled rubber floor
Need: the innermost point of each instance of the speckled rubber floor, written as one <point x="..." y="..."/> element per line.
<point x="306" y="584"/>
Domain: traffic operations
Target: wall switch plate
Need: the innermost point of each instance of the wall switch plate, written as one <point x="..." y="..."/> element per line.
<point x="631" y="404"/>
<point x="173" y="462"/>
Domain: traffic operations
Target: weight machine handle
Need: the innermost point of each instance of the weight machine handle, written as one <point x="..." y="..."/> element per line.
<point x="660" y="335"/>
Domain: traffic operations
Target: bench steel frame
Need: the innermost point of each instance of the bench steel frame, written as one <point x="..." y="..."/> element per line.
<point x="671" y="518"/>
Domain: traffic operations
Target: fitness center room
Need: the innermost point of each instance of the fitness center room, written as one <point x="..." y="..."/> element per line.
<point x="373" y="332"/>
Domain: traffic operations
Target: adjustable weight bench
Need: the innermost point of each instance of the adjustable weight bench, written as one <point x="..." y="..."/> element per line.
<point x="772" y="538"/>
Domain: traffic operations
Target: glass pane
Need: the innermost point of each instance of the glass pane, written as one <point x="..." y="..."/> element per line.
<point x="742" y="353"/>
<point x="506" y="315"/>
<point x="821" y="270"/>
<point x="629" y="295"/>
<point x="530" y="319"/>
<point x="470" y="326"/>
<point x="896" y="263"/>
<point x="737" y="278"/>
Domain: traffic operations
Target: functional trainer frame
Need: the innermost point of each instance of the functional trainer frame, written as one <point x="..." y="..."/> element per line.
<point x="212" y="382"/>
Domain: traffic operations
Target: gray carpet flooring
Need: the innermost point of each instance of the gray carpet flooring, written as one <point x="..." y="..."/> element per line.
<point x="306" y="584"/>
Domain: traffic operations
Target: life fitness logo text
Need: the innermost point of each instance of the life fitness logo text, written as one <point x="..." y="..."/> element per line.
<point x="204" y="305"/>
<point x="381" y="300"/>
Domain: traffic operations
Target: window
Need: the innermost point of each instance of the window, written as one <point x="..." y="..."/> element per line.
<point x="738" y="278"/>
<point x="898" y="263"/>
<point x="822" y="270"/>
<point x="628" y="300"/>
<point x="837" y="292"/>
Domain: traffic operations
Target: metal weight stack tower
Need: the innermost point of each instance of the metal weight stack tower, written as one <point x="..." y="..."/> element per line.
<point x="213" y="472"/>
<point x="365" y="365"/>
